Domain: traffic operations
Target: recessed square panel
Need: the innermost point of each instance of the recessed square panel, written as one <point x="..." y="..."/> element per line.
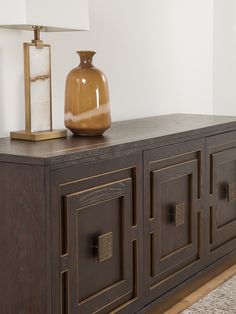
<point x="98" y="234"/>
<point x="221" y="195"/>
<point x="175" y="212"/>
<point x="226" y="205"/>
<point x="174" y="181"/>
<point x="94" y="258"/>
<point x="222" y="218"/>
<point x="100" y="245"/>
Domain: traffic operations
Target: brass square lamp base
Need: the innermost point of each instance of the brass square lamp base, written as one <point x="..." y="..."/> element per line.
<point x="38" y="136"/>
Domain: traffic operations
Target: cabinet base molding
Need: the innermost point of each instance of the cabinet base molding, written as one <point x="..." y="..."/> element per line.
<point x="176" y="295"/>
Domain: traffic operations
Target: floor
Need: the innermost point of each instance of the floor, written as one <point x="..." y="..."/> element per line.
<point x="201" y="293"/>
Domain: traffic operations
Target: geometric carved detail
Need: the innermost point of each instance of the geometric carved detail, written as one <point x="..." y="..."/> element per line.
<point x="104" y="247"/>
<point x="179" y="214"/>
<point x="222" y="218"/>
<point x="174" y="195"/>
<point x="99" y="206"/>
<point x="173" y="192"/>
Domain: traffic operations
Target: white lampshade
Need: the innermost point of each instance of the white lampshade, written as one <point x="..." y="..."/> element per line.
<point x="51" y="15"/>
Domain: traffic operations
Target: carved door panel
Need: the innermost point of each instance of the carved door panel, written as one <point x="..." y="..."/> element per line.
<point x="100" y="233"/>
<point x="173" y="215"/>
<point x="221" y="187"/>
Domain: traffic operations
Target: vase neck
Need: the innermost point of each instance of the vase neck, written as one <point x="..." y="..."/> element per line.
<point x="86" y="58"/>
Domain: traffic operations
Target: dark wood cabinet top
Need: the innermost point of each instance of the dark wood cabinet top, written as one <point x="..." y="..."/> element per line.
<point x="132" y="134"/>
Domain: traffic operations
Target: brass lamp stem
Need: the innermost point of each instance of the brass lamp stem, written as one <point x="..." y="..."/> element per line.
<point x="37" y="41"/>
<point x="36" y="33"/>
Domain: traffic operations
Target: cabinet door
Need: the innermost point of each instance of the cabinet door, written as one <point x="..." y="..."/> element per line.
<point x="174" y="186"/>
<point x="98" y="237"/>
<point x="221" y="188"/>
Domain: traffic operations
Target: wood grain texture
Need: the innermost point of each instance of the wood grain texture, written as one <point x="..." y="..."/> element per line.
<point x="99" y="198"/>
<point x="56" y="196"/>
<point x="125" y="135"/>
<point x="23" y="270"/>
<point x="221" y="213"/>
<point x="173" y="175"/>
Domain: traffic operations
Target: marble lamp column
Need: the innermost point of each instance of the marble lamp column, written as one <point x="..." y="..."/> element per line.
<point x="69" y="15"/>
<point x="38" y="90"/>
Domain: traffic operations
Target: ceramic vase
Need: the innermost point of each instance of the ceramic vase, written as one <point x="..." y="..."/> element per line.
<point x="87" y="107"/>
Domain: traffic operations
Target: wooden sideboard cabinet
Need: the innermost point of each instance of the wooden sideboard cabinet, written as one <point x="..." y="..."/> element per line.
<point x="129" y="222"/>
<point x="174" y="188"/>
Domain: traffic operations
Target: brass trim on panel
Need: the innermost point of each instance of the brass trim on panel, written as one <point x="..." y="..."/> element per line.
<point x="102" y="243"/>
<point x="97" y="176"/>
<point x="64" y="228"/>
<point x="121" y="193"/>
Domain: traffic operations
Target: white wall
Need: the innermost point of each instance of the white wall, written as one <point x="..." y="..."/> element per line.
<point x="157" y="55"/>
<point x="225" y="57"/>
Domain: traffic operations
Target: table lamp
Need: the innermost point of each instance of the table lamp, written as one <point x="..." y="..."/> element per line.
<point x="37" y="16"/>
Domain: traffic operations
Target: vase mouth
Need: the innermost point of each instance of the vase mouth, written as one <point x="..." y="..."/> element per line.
<point x="86" y="52"/>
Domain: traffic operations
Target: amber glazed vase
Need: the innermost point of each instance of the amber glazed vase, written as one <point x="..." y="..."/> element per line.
<point x="87" y="108"/>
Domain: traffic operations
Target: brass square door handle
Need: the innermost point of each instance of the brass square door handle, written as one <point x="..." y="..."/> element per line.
<point x="104" y="247"/>
<point x="232" y="192"/>
<point x="178" y="214"/>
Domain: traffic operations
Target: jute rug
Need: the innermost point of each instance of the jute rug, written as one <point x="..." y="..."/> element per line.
<point x="219" y="301"/>
<point x="217" y="296"/>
